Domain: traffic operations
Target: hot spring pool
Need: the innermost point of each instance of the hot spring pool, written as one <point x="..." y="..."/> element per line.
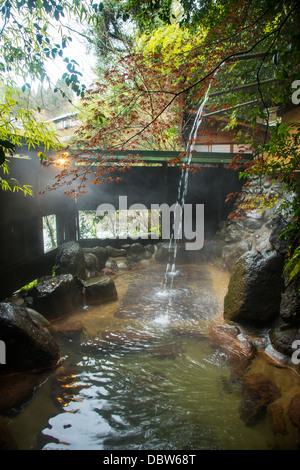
<point x="142" y="375"/>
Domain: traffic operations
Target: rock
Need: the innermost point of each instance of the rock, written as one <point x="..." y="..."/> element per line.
<point x="70" y="260"/>
<point x="108" y="272"/>
<point x="252" y="223"/>
<point x="116" y="263"/>
<point x="166" y="351"/>
<point x="70" y="328"/>
<point x="258" y="393"/>
<point x="294" y="410"/>
<point x="255" y="286"/>
<point x="91" y="264"/>
<point x="290" y="305"/>
<point x="56" y="296"/>
<point x="162" y="252"/>
<point x="232" y="234"/>
<point x="189" y="333"/>
<point x="37" y="317"/>
<point x="28" y="346"/>
<point x="239" y="350"/>
<point x="101" y="291"/>
<point x="277" y="240"/>
<point x="282" y="338"/>
<point x="115" y="252"/>
<point x="17" y="390"/>
<point x="101" y="254"/>
<point x="277" y="418"/>
<point x="138" y="252"/>
<point x="212" y="250"/>
<point x="231" y="253"/>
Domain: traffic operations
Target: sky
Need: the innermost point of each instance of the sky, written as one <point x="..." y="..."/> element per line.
<point x="76" y="50"/>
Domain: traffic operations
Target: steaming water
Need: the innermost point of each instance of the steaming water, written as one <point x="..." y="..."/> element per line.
<point x="131" y="383"/>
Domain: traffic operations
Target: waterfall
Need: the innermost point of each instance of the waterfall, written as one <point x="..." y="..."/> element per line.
<point x="171" y="272"/>
<point x="182" y="191"/>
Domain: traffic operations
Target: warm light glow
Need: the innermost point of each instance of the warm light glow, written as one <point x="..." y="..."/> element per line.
<point x="62" y="160"/>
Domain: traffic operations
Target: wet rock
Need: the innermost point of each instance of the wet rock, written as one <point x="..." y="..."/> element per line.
<point x="240" y="352"/>
<point x="290" y="305"/>
<point x="277" y="418"/>
<point x="56" y="296"/>
<point x="294" y="410"/>
<point x="282" y="338"/>
<point x="166" y="351"/>
<point x="101" y="254"/>
<point x="231" y="253"/>
<point x="116" y="263"/>
<point x="138" y="252"/>
<point x="91" y="264"/>
<point x="162" y="252"/>
<point x="212" y="250"/>
<point x="116" y="252"/>
<point x="189" y="333"/>
<point x="28" y="346"/>
<point x="100" y="291"/>
<point x="70" y="329"/>
<point x="258" y="392"/>
<point x="108" y="272"/>
<point x="37" y="317"/>
<point x="252" y="223"/>
<point x="277" y="240"/>
<point x="70" y="260"/>
<point x="232" y="234"/>
<point x="17" y="390"/>
<point x="255" y="286"/>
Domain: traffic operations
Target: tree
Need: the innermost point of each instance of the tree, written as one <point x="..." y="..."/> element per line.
<point x="26" y="45"/>
<point x="253" y="46"/>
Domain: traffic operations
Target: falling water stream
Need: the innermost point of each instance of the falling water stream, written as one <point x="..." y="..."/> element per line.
<point x="171" y="271"/>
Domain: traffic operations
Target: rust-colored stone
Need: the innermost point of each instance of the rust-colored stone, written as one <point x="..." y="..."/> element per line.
<point x="277" y="418"/>
<point x="294" y="410"/>
<point x="258" y="392"/>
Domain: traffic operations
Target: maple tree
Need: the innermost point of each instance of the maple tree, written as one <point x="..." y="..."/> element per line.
<point x="27" y="43"/>
<point x="144" y="95"/>
<point x="141" y="97"/>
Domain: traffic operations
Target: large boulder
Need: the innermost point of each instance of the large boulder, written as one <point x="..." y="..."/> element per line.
<point x="70" y="260"/>
<point x="56" y="296"/>
<point x="28" y="346"/>
<point x="255" y="287"/>
<point x="100" y="291"/>
<point x="101" y="253"/>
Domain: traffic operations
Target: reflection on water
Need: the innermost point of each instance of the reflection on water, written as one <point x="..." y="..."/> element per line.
<point x="135" y="379"/>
